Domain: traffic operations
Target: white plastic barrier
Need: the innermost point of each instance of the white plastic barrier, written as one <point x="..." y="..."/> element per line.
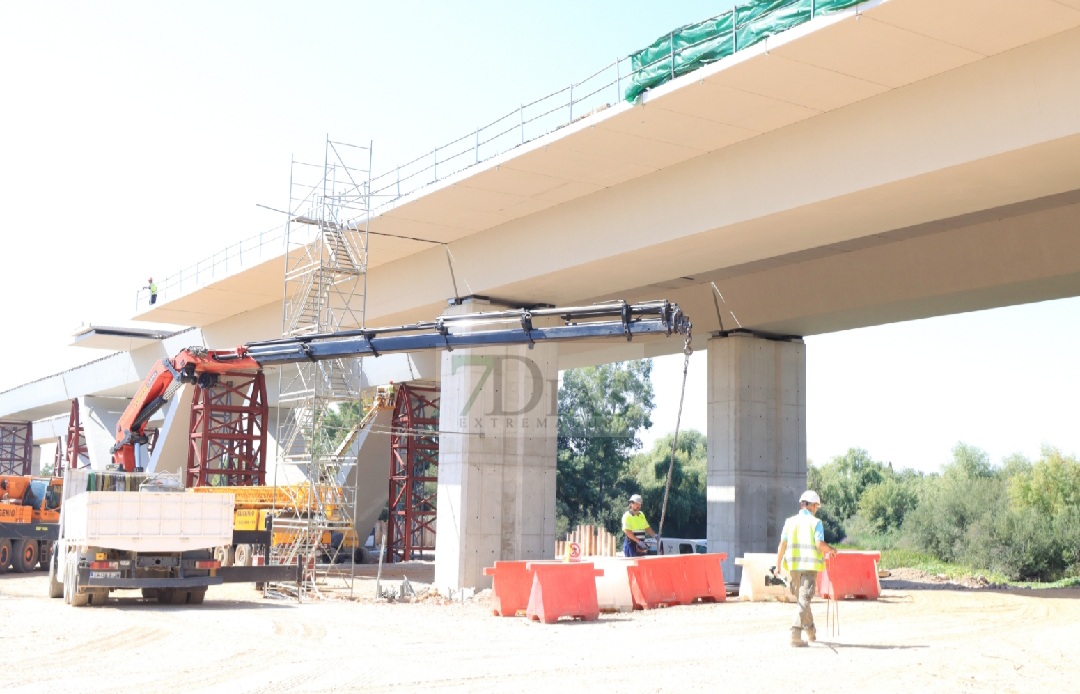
<point x="752" y="585"/>
<point x="613" y="588"/>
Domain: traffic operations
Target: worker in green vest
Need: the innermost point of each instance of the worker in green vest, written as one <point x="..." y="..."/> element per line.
<point x="635" y="528"/>
<point x="802" y="553"/>
<point x="152" y="286"/>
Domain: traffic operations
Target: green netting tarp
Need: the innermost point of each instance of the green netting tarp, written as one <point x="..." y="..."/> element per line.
<point x="694" y="45"/>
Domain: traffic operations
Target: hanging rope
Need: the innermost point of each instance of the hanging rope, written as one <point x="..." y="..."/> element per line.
<point x="687" y="350"/>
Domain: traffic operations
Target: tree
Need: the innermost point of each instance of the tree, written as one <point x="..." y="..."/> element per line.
<point x="687" y="506"/>
<point x="601" y="410"/>
<point x="968" y="463"/>
<point x="883" y="506"/>
<point x="842" y="480"/>
<point x="1050" y="486"/>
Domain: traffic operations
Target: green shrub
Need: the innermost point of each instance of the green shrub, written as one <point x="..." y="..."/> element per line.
<point x="939" y="524"/>
<point x="884" y="505"/>
<point x="864" y="534"/>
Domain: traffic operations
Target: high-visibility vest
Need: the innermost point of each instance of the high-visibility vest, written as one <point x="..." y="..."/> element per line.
<point x="635" y="523"/>
<point x="802" y="553"/>
<point x="153" y="287"/>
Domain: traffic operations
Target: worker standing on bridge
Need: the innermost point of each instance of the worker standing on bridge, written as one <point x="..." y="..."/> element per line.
<point x="635" y="528"/>
<point x="152" y="286"/>
<point x="802" y="554"/>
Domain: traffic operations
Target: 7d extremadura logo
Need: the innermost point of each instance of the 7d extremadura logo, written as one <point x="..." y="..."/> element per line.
<point x="532" y="411"/>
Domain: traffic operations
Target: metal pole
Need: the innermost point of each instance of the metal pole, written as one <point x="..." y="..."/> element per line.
<point x="478" y="145"/>
<point x="671" y="38"/>
<point x="571" y="102"/>
<point x="521" y="113"/>
<point x="734" y="30"/>
<point x="813" y="8"/>
<point x="435" y="166"/>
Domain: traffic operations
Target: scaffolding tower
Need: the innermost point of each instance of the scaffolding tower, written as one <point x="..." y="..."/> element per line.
<point x="414" y="472"/>
<point x="326" y="259"/>
<point x="16" y="447"/>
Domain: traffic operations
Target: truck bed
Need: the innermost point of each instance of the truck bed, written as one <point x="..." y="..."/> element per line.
<point x="149" y="521"/>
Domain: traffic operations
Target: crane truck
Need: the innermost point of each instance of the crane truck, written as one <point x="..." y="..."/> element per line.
<point x="123" y="528"/>
<point x="29" y="520"/>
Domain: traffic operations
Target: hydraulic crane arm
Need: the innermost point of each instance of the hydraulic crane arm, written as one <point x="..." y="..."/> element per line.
<point x="509" y="327"/>
<point x="192" y="365"/>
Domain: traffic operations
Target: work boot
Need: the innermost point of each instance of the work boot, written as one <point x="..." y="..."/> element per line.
<point x="796" y="638"/>
<point x="811" y="633"/>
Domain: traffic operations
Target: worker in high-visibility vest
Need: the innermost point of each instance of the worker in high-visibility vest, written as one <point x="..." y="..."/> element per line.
<point x="152" y="286"/>
<point x="802" y="553"/>
<point x="635" y="528"/>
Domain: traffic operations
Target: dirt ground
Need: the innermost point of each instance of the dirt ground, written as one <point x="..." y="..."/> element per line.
<point x="922" y="635"/>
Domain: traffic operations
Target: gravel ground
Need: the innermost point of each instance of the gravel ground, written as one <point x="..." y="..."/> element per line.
<point x="922" y="635"/>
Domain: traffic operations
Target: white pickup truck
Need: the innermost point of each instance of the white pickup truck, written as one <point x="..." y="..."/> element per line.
<point x="677" y="545"/>
<point x="143" y="532"/>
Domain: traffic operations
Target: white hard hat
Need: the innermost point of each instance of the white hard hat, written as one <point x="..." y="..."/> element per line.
<point x="635" y="499"/>
<point x="810" y="497"/>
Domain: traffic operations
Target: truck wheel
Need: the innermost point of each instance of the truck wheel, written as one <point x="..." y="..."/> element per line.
<point x="68" y="584"/>
<point x="195" y="597"/>
<point x="164" y="596"/>
<point x="5" y="554"/>
<point x="24" y="557"/>
<point x="224" y="554"/>
<point x="361" y="555"/>
<point x="56" y="588"/>
<point x="242" y="555"/>
<point x="72" y="595"/>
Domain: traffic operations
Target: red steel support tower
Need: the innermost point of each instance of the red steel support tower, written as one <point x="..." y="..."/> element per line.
<point x="75" y="451"/>
<point x="228" y="433"/>
<point x="414" y="472"/>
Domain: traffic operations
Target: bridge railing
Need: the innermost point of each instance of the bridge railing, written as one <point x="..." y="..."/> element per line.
<point x="672" y="55"/>
<point x="243" y="254"/>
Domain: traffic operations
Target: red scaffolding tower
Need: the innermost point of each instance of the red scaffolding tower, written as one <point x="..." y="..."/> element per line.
<point x="75" y="451"/>
<point x="228" y="433"/>
<point x="414" y="472"/>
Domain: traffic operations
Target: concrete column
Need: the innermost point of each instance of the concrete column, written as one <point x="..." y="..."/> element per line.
<point x="497" y="453"/>
<point x="756" y="440"/>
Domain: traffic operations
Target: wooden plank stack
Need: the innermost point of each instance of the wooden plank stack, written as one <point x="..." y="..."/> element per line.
<point x="594" y="542"/>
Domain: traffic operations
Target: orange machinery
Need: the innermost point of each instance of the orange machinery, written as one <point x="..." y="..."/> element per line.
<point x="29" y="520"/>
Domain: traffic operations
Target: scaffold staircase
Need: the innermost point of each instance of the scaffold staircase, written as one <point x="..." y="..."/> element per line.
<point x="325" y="291"/>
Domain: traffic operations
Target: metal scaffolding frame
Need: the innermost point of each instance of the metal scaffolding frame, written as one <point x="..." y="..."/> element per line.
<point x="414" y="472"/>
<point x="76" y="453"/>
<point x="227" y="442"/>
<point x="16" y="448"/>
<point x="326" y="260"/>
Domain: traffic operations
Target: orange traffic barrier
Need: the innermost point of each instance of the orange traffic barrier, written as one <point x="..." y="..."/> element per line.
<point x="511" y="583"/>
<point x="850" y="575"/>
<point x="704" y="578"/>
<point x="657" y="581"/>
<point x="563" y="590"/>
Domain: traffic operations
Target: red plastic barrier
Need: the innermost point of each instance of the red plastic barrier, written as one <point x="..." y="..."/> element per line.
<point x="677" y="579"/>
<point x="657" y="581"/>
<point x="850" y="575"/>
<point x="563" y="590"/>
<point x="511" y="583"/>
<point x="704" y="578"/>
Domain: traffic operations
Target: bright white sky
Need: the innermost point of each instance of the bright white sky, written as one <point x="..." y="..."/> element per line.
<point x="138" y="138"/>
